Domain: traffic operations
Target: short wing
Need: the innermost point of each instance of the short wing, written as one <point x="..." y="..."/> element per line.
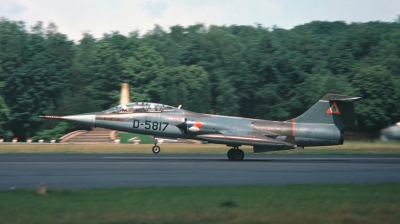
<point x="242" y="138"/>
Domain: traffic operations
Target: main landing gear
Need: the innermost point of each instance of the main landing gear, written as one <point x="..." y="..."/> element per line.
<point x="156" y="149"/>
<point x="235" y="154"/>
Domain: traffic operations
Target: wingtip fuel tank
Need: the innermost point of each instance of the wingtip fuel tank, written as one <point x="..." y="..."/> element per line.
<point x="391" y="132"/>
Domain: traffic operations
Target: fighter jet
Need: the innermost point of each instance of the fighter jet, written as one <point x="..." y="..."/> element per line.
<point x="392" y="132"/>
<point x="321" y="125"/>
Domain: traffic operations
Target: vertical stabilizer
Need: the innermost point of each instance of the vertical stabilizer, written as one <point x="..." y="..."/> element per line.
<point x="331" y="109"/>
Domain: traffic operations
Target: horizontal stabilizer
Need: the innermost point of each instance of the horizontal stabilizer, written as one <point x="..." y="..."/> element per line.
<point x="337" y="97"/>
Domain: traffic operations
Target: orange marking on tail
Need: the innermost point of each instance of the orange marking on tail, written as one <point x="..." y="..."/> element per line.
<point x="333" y="109"/>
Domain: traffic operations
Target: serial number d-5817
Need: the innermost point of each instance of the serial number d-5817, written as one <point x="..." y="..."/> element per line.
<point x="154" y="125"/>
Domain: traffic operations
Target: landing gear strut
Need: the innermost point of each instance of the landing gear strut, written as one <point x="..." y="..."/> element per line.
<point x="156" y="149"/>
<point x="235" y="154"/>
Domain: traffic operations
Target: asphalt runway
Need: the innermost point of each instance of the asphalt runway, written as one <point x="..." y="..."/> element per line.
<point x="82" y="171"/>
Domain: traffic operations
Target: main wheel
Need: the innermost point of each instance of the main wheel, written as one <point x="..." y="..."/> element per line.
<point x="156" y="149"/>
<point x="238" y="155"/>
<point x="230" y="154"/>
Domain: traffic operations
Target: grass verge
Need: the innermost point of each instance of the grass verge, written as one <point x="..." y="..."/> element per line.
<point x="328" y="203"/>
<point x="144" y="139"/>
<point x="390" y="148"/>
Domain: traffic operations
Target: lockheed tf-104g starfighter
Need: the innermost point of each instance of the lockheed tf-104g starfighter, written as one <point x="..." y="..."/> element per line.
<point x="321" y="125"/>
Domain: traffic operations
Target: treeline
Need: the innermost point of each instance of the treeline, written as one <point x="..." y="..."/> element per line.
<point x="249" y="71"/>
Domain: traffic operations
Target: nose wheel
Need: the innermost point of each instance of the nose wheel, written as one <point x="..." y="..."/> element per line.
<point x="156" y="149"/>
<point x="235" y="154"/>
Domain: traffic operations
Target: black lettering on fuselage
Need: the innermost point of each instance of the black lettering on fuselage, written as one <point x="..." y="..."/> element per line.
<point x="151" y="125"/>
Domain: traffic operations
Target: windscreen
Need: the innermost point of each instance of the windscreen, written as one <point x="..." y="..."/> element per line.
<point x="138" y="107"/>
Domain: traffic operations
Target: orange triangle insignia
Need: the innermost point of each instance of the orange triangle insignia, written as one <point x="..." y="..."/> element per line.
<point x="333" y="109"/>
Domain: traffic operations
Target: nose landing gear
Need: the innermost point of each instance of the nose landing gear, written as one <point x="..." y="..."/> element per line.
<point x="235" y="154"/>
<point x="156" y="149"/>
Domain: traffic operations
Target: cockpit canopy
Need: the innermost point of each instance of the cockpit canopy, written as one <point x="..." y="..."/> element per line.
<point x="139" y="107"/>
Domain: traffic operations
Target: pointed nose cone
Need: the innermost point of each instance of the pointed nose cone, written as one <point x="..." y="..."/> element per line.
<point x="81" y="118"/>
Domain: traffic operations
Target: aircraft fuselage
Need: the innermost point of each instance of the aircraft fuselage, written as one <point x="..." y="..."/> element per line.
<point x="321" y="125"/>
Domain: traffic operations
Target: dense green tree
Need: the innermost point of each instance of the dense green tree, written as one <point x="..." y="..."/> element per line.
<point x="13" y="37"/>
<point x="108" y="69"/>
<point x="387" y="53"/>
<point x="141" y="70"/>
<point x="249" y="71"/>
<point x="223" y="52"/>
<point x="5" y="116"/>
<point x="105" y="81"/>
<point x="168" y="45"/>
<point x="380" y="95"/>
<point x="51" y="130"/>
<point x="83" y="63"/>
<point x="35" y="85"/>
<point x="185" y="85"/>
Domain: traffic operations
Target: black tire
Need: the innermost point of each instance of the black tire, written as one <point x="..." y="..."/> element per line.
<point x="238" y="155"/>
<point x="230" y="154"/>
<point x="156" y="149"/>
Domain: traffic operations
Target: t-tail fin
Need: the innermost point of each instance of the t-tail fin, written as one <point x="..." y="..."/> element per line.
<point x="331" y="109"/>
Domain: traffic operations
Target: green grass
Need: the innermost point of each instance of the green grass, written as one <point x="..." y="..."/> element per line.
<point x="144" y="139"/>
<point x="333" y="203"/>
